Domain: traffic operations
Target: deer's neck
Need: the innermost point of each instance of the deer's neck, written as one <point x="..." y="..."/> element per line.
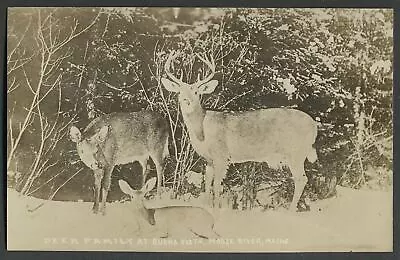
<point x="194" y="122"/>
<point x="147" y="214"/>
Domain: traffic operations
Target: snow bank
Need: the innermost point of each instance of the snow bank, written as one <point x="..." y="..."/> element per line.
<point x="355" y="220"/>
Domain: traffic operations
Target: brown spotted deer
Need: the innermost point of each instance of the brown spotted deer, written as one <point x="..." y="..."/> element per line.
<point x="278" y="136"/>
<point x="171" y="219"/>
<point x="121" y="138"/>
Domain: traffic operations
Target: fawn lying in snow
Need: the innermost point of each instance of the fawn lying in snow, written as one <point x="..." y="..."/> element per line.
<point x="169" y="219"/>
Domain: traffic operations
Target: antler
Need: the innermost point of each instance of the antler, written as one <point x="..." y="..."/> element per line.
<point x="172" y="56"/>
<point x="211" y="65"/>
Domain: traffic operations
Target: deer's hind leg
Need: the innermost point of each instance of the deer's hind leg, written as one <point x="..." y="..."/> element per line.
<point x="158" y="160"/>
<point x="300" y="180"/>
<point x="204" y="231"/>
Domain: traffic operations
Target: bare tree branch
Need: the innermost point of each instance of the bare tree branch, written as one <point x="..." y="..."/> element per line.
<point x="9" y="57"/>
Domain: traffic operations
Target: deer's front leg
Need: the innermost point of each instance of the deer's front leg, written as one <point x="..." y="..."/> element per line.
<point x="98" y="176"/>
<point x="105" y="187"/>
<point x="209" y="177"/>
<point x="220" y="169"/>
<point x="143" y="164"/>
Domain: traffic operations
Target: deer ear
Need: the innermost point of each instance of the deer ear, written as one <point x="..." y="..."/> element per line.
<point x="125" y="187"/>
<point x="75" y="134"/>
<point x="102" y="134"/>
<point x="149" y="185"/>
<point x="208" y="87"/>
<point x="169" y="85"/>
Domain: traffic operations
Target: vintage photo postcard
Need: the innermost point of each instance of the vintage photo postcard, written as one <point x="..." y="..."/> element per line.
<point x="200" y="129"/>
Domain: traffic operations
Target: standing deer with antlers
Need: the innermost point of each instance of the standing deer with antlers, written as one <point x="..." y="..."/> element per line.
<point x="278" y="136"/>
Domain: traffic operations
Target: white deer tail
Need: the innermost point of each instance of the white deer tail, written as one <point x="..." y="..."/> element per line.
<point x="312" y="155"/>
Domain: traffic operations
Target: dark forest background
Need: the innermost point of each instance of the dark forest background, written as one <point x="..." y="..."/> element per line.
<point x="69" y="65"/>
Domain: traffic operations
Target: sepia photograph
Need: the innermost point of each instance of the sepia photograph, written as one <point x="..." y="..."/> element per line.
<point x="144" y="129"/>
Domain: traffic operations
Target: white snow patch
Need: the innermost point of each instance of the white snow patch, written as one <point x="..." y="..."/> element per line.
<point x="355" y="220"/>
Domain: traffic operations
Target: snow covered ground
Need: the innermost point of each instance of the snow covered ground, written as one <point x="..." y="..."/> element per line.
<point x="355" y="220"/>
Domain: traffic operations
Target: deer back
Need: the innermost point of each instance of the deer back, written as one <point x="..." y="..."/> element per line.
<point x="275" y="134"/>
<point x="120" y="138"/>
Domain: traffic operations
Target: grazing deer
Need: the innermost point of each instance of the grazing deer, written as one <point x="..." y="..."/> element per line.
<point x="170" y="219"/>
<point x="278" y="136"/>
<point x="121" y="138"/>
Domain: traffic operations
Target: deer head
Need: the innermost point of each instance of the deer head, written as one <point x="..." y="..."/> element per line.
<point x="89" y="147"/>
<point x="189" y="94"/>
<point x="137" y="196"/>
